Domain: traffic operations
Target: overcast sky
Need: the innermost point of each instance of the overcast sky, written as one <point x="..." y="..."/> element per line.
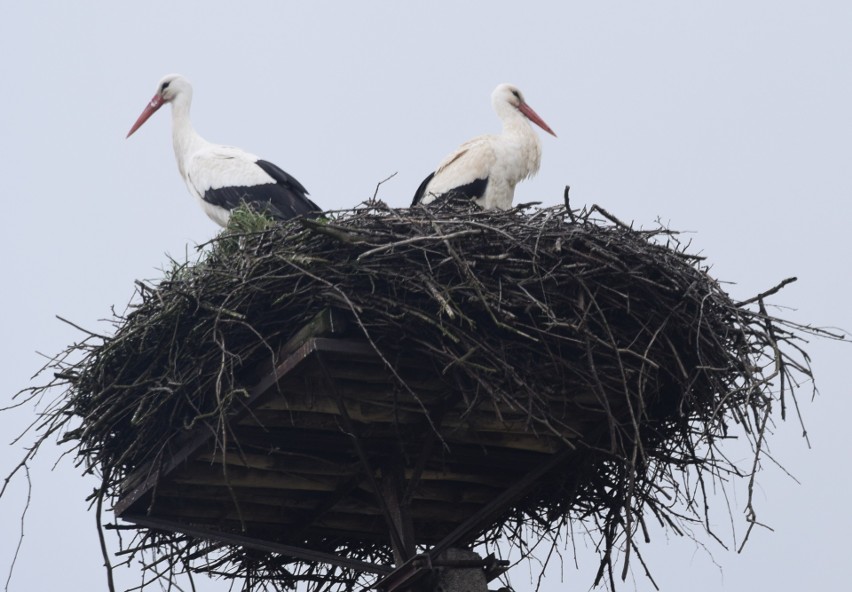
<point x="727" y="119"/>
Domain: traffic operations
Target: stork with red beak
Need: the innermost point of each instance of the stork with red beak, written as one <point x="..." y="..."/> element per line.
<point x="487" y="168"/>
<point x="223" y="177"/>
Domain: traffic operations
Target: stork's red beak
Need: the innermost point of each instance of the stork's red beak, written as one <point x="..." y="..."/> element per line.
<point x="150" y="109"/>
<point x="533" y="116"/>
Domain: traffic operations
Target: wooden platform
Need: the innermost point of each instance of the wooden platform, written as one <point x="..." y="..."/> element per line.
<point x="329" y="444"/>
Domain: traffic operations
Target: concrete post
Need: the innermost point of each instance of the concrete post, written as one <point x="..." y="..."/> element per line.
<point x="459" y="578"/>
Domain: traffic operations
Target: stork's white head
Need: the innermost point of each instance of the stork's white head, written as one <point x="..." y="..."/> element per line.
<point x="169" y="88"/>
<point x="508" y="100"/>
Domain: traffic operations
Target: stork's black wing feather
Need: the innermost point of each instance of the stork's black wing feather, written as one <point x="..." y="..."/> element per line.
<point x="292" y="199"/>
<point x="473" y="190"/>
<point x="418" y="195"/>
<point x="283" y="200"/>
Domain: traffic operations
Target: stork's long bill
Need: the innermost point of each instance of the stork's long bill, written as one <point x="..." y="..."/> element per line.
<point x="527" y="111"/>
<point x="149" y="110"/>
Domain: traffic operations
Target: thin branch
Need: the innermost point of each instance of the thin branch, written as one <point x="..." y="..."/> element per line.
<point x="21" y="535"/>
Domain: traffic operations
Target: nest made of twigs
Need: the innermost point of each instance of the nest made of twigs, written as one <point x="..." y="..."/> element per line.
<point x="519" y="308"/>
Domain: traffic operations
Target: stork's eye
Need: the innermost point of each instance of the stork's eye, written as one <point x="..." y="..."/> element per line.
<point x="517" y="94"/>
<point x="165" y="85"/>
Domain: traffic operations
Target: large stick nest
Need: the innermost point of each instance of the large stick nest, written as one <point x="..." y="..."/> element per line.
<point x="519" y="308"/>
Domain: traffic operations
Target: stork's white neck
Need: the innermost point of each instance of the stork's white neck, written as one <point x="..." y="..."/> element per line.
<point x="184" y="137"/>
<point x="522" y="141"/>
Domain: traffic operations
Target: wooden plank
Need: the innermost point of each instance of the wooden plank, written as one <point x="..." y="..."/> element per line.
<point x="208" y="502"/>
<point x="477" y="478"/>
<point x="454" y="493"/>
<point x="326" y="323"/>
<point x="546" y="445"/>
<point x="279" y="461"/>
<point x="321" y="413"/>
<point x="433" y="486"/>
<point x="262" y="496"/>
<point x="387" y="396"/>
<point x="206" y="474"/>
<point x="279" y="413"/>
<point x="490" y="422"/>
<point x="330" y="445"/>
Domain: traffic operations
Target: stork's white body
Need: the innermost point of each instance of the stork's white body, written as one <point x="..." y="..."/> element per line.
<point x="221" y="177"/>
<point x="487" y="168"/>
<point x="205" y="166"/>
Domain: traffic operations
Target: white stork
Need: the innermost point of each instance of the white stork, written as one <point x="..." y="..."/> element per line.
<point x="487" y="168"/>
<point x="222" y="177"/>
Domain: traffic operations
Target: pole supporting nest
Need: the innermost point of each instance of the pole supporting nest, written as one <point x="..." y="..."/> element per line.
<point x="424" y="572"/>
<point x="409" y="574"/>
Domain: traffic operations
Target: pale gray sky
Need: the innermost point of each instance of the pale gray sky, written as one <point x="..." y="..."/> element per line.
<point x="728" y="119"/>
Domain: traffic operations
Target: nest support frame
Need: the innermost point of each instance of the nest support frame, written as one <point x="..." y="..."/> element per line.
<point x="393" y="481"/>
